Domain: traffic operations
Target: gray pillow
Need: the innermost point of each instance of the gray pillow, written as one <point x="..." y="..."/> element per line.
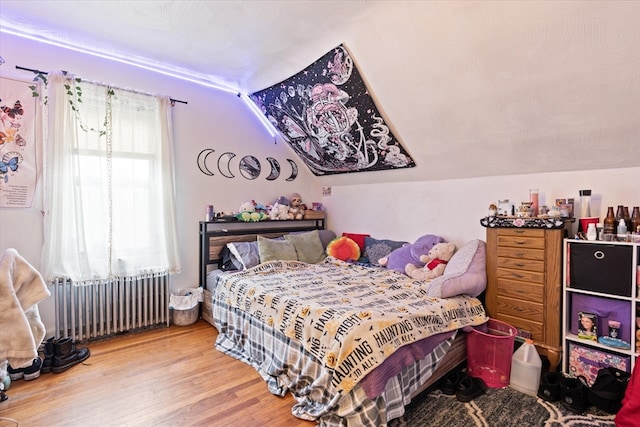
<point x="245" y="254"/>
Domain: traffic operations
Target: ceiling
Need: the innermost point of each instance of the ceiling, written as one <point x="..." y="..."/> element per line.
<point x="470" y="88"/>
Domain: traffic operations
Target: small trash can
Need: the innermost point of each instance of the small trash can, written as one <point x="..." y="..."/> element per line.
<point x="489" y="352"/>
<point x="185" y="306"/>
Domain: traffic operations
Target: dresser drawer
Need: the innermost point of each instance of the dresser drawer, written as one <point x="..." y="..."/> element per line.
<point x="521" y="253"/>
<point x="521" y="242"/>
<point x="520" y="264"/>
<point x="534" y="328"/>
<point x="528" y="311"/>
<point x="520" y="275"/>
<point x="513" y="289"/>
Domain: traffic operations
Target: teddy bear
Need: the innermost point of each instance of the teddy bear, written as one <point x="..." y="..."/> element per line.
<point x="248" y="213"/>
<point x="280" y="209"/>
<point x="434" y="261"/>
<point x="296" y="208"/>
<point x="398" y="259"/>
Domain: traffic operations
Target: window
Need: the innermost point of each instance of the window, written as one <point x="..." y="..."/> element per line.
<point x="109" y="188"/>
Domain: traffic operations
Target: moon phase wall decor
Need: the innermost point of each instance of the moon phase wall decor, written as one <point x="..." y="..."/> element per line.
<point x="294" y="170"/>
<point x="202" y="161"/>
<point x="249" y="166"/>
<point x="275" y="169"/>
<point x="328" y="117"/>
<point x="226" y="162"/>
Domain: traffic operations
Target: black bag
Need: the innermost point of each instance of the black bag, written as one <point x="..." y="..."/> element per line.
<point x="608" y="389"/>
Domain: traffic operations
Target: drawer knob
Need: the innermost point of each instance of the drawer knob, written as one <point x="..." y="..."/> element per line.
<point x="598" y="255"/>
<point x="519" y="264"/>
<point x="521" y="242"/>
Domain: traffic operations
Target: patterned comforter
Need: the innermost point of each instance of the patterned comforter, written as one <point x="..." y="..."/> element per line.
<point x="349" y="318"/>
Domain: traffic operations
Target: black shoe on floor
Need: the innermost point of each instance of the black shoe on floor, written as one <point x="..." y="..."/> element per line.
<point x="469" y="388"/>
<point x="449" y="383"/>
<point x="573" y="392"/>
<point x="549" y="389"/>
<point x="29" y="373"/>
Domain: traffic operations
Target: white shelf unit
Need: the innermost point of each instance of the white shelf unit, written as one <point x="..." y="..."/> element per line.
<point x="607" y="270"/>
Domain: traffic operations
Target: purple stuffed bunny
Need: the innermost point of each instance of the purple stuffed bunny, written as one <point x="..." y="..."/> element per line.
<point x="410" y="254"/>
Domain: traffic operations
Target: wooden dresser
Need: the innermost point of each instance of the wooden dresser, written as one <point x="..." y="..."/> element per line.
<point x="524" y="283"/>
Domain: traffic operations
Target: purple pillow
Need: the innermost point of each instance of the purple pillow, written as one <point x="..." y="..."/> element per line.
<point x="465" y="274"/>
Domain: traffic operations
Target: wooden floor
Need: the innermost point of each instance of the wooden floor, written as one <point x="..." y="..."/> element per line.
<point x="161" y="377"/>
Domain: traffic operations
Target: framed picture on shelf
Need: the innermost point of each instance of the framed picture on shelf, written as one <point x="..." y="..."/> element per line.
<point x="587" y="326"/>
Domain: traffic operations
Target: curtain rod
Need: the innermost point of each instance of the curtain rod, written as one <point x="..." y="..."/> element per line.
<point x="45" y="73"/>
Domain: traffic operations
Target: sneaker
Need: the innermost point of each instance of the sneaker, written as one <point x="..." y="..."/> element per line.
<point x="469" y="388"/>
<point x="29" y="373"/>
<point x="549" y="389"/>
<point x="449" y="383"/>
<point x="573" y="393"/>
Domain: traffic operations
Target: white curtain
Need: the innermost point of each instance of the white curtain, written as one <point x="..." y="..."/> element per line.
<point x="109" y="182"/>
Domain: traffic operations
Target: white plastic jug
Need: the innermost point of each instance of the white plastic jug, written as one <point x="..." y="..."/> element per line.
<point x="526" y="366"/>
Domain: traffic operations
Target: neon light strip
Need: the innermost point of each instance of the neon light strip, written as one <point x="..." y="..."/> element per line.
<point x="270" y="128"/>
<point x="150" y="67"/>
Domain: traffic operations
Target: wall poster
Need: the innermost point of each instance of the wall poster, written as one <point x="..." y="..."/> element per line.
<point x="327" y="115"/>
<point x="18" y="163"/>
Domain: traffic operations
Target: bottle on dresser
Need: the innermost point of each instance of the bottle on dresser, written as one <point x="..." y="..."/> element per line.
<point x="635" y="220"/>
<point x="609" y="222"/>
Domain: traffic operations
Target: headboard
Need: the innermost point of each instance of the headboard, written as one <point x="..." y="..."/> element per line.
<point x="214" y="235"/>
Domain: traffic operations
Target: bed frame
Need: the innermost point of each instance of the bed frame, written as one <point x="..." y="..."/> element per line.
<point x="215" y="235"/>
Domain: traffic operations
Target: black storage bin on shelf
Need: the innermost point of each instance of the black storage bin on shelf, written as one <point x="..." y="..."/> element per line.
<point x="601" y="268"/>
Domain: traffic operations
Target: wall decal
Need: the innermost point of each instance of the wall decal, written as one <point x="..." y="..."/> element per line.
<point x="225" y="170"/>
<point x="18" y="165"/>
<point x="202" y="161"/>
<point x="294" y="170"/>
<point x="250" y="167"/>
<point x="326" y="114"/>
<point x="275" y="169"/>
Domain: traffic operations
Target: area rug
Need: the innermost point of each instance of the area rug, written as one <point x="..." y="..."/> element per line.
<point x="496" y="408"/>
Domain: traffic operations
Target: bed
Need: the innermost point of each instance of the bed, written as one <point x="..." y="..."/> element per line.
<point x="352" y="342"/>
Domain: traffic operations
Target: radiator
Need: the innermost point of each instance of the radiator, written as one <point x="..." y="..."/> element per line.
<point x="96" y="309"/>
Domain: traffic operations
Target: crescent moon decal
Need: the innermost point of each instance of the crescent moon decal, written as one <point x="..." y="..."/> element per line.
<point x="250" y="167"/>
<point x="202" y="161"/>
<point x="225" y="158"/>
<point x="275" y="169"/>
<point x="294" y="170"/>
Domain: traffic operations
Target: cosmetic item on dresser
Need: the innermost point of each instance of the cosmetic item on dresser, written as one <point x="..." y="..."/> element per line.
<point x="585" y="203"/>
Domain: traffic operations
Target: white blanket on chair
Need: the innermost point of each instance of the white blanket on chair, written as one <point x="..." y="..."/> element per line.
<point x="21" y="289"/>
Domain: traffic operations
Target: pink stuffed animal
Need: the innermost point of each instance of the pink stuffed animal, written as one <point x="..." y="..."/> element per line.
<point x="434" y="261"/>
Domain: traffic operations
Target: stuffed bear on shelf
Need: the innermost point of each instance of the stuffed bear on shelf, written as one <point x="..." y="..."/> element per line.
<point x="296" y="207"/>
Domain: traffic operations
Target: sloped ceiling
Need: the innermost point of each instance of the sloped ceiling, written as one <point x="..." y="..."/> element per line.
<point x="470" y="88"/>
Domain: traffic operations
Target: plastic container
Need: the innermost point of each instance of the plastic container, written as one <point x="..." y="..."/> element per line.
<point x="526" y="366"/>
<point x="489" y="351"/>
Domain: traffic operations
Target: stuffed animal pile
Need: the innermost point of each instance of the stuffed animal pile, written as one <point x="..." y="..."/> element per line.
<point x="248" y="213"/>
<point x="280" y="209"/>
<point x="434" y="261"/>
<point x="410" y="253"/>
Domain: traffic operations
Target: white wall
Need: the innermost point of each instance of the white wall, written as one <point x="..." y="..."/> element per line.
<point x="453" y="208"/>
